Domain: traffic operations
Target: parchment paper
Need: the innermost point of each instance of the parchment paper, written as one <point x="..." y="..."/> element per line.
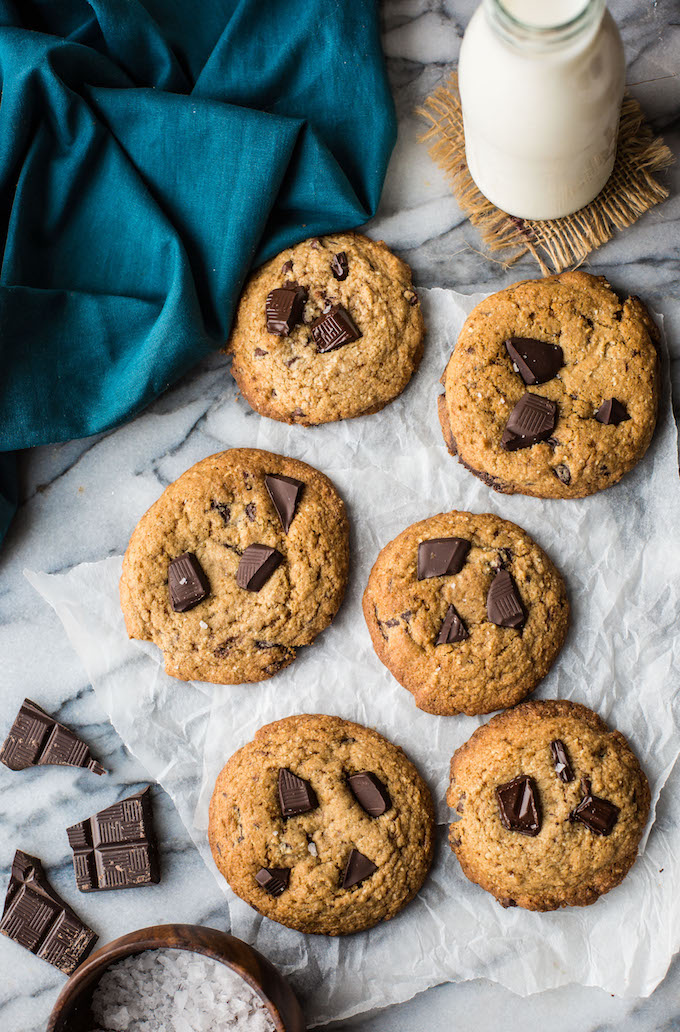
<point x="620" y="554"/>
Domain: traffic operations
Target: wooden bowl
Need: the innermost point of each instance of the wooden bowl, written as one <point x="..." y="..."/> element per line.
<point x="72" y="1013"/>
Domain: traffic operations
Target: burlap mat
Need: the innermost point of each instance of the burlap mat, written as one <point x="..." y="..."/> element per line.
<point x="556" y="244"/>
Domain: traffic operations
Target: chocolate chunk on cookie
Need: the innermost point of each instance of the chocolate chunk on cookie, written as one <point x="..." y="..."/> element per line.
<point x="283" y="309"/>
<point x="241" y="561"/>
<point x="342" y="340"/>
<point x="333" y="329"/>
<point x="257" y="564"/>
<point x="441" y="557"/>
<point x="355" y="850"/>
<point x="519" y="805"/>
<point x="369" y="792"/>
<point x="599" y="815"/>
<point x="187" y="582"/>
<point x="537" y="840"/>
<point x="534" y="360"/>
<point x="612" y="412"/>
<point x="484" y="625"/>
<point x="528" y="404"/>
<point x="453" y="629"/>
<point x="285" y="494"/>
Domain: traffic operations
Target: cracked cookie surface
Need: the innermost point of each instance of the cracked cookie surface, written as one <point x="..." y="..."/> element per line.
<point x="566" y="863"/>
<point x="285" y="377"/>
<point x="609" y="352"/>
<point x="248" y="832"/>
<point x="215" y="511"/>
<point x="495" y="666"/>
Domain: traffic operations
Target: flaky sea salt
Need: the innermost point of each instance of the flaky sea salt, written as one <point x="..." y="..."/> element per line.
<point x="176" y="991"/>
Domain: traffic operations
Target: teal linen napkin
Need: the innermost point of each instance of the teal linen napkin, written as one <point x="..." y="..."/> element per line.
<point x="150" y="153"/>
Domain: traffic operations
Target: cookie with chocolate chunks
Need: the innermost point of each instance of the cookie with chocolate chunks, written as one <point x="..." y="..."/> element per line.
<point x="240" y="562"/>
<point x="529" y="834"/>
<point x="348" y="349"/>
<point x="552" y="388"/>
<point x="466" y="629"/>
<point x="322" y="825"/>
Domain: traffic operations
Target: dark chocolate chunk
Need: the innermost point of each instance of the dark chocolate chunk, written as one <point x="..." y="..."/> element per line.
<point x="563" y="473"/>
<point x="260" y="352"/>
<point x="598" y="815"/>
<point x="256" y="566"/>
<point x="358" y="868"/>
<point x="38" y="919"/>
<point x="340" y="266"/>
<point x="612" y="411"/>
<point x="560" y="756"/>
<point x="287" y="268"/>
<point x="296" y="796"/>
<point x="223" y="509"/>
<point x="532" y="420"/>
<point x="37" y="740"/>
<point x="370" y="793"/>
<point x="519" y="806"/>
<point x="452" y="630"/>
<point x="411" y="297"/>
<point x="503" y="604"/>
<point x="273" y="880"/>
<point x="251" y="511"/>
<point x="315" y="243"/>
<point x="285" y="494"/>
<point x="441" y="557"/>
<point x="334" y="329"/>
<point x="505" y="556"/>
<point x="187" y="582"/>
<point x="534" y="360"/>
<point x="283" y="309"/>
<point x="116" y="848"/>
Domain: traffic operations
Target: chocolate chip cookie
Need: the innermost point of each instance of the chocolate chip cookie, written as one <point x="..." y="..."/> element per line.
<point x="322" y="825"/>
<point x="552" y="388"/>
<point x="466" y="611"/>
<point x="550" y="806"/>
<point x="241" y="561"/>
<point x="329" y="329"/>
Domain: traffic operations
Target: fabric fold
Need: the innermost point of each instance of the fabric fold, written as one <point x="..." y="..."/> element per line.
<point x="150" y="154"/>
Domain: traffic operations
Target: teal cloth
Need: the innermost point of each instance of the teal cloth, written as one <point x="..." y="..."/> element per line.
<point x="152" y="151"/>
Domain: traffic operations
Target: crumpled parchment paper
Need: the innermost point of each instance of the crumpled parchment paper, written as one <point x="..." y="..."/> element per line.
<point x="620" y="555"/>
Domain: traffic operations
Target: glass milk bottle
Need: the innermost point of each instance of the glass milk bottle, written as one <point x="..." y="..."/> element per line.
<point x="541" y="84"/>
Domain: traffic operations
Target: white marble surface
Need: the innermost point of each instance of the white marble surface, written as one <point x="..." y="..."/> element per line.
<point x="82" y="499"/>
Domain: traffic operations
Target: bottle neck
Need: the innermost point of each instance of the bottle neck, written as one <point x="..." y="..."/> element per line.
<point x="510" y="19"/>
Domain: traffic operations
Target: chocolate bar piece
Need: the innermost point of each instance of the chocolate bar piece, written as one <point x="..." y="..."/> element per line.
<point x="116" y="849"/>
<point x="37" y="740"/>
<point x="334" y="329"/>
<point x="38" y="919"/>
